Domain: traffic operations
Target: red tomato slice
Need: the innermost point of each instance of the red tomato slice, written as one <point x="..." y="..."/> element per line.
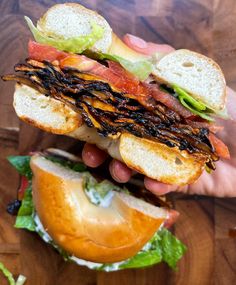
<point x="24" y="183"/>
<point x="220" y="148"/>
<point x="42" y="52"/>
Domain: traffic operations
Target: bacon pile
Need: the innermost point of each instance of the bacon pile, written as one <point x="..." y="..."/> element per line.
<point x="112" y="112"/>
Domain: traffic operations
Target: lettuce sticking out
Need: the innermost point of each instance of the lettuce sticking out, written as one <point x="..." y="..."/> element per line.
<point x="141" y="69"/>
<point x="75" y="44"/>
<point x="163" y="247"/>
<point x="196" y="107"/>
<point x="20" y="281"/>
<point x="22" y="164"/>
<point x="24" y="217"/>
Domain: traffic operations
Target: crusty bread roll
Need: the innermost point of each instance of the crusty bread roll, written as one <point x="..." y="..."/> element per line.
<point x="87" y="231"/>
<point x="197" y="74"/>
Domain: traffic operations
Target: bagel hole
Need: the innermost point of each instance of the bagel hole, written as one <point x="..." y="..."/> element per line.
<point x="187" y="64"/>
<point x="178" y="161"/>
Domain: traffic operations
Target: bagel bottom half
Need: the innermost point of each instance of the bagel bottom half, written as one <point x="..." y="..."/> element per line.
<point x="88" y="231"/>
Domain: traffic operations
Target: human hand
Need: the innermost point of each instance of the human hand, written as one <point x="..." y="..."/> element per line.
<point x="221" y="183"/>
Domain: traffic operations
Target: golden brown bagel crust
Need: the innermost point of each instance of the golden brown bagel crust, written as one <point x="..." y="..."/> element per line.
<point x="84" y="230"/>
<point x="158" y="161"/>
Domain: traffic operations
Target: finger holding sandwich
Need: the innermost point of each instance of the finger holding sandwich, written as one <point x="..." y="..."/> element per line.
<point x="154" y="113"/>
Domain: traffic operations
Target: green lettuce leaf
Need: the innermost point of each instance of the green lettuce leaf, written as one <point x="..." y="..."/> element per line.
<point x="75" y="44"/>
<point x="196" y="107"/>
<point x="21" y="163"/>
<point x="172" y="248"/>
<point x="24" y="219"/>
<point x="163" y="247"/>
<point x="141" y="69"/>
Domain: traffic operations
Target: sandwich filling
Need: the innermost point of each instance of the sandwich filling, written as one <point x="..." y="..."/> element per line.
<point x="163" y="246"/>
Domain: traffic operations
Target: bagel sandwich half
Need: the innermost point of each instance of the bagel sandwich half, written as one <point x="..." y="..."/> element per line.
<point x="92" y="221"/>
<point x="154" y="113"/>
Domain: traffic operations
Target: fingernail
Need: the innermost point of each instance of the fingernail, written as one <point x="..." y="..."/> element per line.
<point x="118" y="172"/>
<point x="136" y="41"/>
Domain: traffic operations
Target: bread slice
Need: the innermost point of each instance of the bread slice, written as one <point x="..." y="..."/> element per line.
<point x="87" y="231"/>
<point x="153" y="159"/>
<point x="44" y="112"/>
<point x="70" y="20"/>
<point x="196" y="73"/>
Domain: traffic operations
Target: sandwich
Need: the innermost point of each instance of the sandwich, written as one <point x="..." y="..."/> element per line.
<point x="89" y="220"/>
<point x="154" y="113"/>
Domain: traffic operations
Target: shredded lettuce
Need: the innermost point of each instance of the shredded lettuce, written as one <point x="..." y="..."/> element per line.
<point x="75" y="44"/>
<point x="100" y="193"/>
<point x="163" y="246"/>
<point x="20" y="281"/>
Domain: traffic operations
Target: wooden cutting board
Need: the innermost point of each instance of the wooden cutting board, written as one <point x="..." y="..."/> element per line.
<point x="206" y="26"/>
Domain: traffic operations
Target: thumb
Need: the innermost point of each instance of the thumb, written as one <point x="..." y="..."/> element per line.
<point x="144" y="47"/>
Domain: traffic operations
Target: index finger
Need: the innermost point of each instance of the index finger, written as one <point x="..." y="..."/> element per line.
<point x="144" y="47"/>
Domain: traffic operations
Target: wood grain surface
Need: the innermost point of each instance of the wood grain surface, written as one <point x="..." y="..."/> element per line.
<point x="206" y="26"/>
